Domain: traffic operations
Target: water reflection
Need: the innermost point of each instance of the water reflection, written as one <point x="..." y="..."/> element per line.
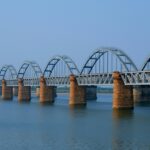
<point x="122" y="114"/>
<point x="143" y="104"/>
<point x="121" y="139"/>
<point x="23" y="102"/>
<point x="77" y="107"/>
<point x="46" y="104"/>
<point x="77" y="110"/>
<point x="34" y="125"/>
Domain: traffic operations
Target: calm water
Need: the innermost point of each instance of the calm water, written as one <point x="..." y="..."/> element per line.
<point x="32" y="126"/>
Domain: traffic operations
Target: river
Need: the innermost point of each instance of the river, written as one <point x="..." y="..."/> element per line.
<point x="33" y="126"/>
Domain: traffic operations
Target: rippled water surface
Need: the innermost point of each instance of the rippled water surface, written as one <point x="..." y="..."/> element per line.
<point x="32" y="126"/>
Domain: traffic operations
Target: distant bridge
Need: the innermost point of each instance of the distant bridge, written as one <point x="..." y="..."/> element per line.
<point x="97" y="70"/>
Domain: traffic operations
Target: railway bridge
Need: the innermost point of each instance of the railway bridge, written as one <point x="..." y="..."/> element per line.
<point x="104" y="67"/>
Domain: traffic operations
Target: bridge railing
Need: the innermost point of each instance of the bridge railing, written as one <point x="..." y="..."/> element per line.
<point x="92" y="79"/>
<point x="50" y="81"/>
<point x="136" y="78"/>
<point x="95" y="79"/>
<point x="54" y="81"/>
<point x="129" y="78"/>
<point x="12" y="82"/>
<point x="26" y="82"/>
<point x="31" y="82"/>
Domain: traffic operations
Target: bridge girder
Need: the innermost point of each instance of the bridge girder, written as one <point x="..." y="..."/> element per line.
<point x="35" y="67"/>
<point x="70" y="64"/>
<point x="7" y="68"/>
<point x="146" y="65"/>
<point x="123" y="58"/>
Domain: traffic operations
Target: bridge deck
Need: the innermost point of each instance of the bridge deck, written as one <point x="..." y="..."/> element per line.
<point x="129" y="78"/>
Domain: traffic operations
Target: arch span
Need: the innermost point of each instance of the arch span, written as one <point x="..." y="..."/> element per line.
<point x="122" y="59"/>
<point x="146" y="65"/>
<point x="69" y="63"/>
<point x="8" y="68"/>
<point x="35" y="67"/>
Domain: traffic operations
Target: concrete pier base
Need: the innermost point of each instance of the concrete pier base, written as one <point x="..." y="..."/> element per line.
<point x="0" y="90"/>
<point x="77" y="93"/>
<point x="47" y="93"/>
<point x="55" y="91"/>
<point x="38" y="92"/>
<point x="122" y="95"/>
<point x="15" y="91"/>
<point x="7" y="92"/>
<point x="24" y="92"/>
<point x="141" y="93"/>
<point x="91" y="92"/>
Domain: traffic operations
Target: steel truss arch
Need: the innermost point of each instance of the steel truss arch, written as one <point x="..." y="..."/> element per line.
<point x="9" y="68"/>
<point x="122" y="57"/>
<point x="36" y="68"/>
<point x="54" y="61"/>
<point x="146" y="65"/>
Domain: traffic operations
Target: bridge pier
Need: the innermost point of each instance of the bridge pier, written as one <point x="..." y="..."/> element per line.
<point x="91" y="92"/>
<point x="24" y="92"/>
<point x="55" y="91"/>
<point x="137" y="93"/>
<point x="0" y="90"/>
<point x="47" y="93"/>
<point x="122" y="94"/>
<point x="141" y="93"/>
<point x="15" y="91"/>
<point x="38" y="92"/>
<point x="7" y="92"/>
<point x="77" y="93"/>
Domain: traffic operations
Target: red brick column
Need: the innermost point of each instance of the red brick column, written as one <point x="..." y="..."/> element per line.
<point x="24" y="92"/>
<point x="77" y="93"/>
<point x="7" y="92"/>
<point x="122" y="95"/>
<point x="46" y="92"/>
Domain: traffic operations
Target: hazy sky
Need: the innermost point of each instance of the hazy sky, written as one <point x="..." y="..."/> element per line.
<point x="39" y="29"/>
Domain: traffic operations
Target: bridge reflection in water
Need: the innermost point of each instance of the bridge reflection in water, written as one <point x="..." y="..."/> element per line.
<point x="123" y="130"/>
<point x="104" y="67"/>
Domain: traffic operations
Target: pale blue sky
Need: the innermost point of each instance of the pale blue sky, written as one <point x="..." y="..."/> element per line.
<point x="38" y="29"/>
